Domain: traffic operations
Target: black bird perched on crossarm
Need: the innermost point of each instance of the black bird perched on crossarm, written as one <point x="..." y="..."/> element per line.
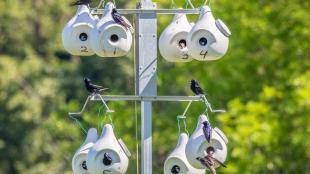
<point x="117" y="17"/>
<point x="81" y="2"/>
<point x="196" y="88"/>
<point x="94" y="89"/>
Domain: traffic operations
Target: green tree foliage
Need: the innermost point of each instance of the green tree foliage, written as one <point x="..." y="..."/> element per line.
<point x="263" y="82"/>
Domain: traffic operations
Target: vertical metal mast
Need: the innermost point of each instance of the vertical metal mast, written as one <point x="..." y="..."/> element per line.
<point x="146" y="68"/>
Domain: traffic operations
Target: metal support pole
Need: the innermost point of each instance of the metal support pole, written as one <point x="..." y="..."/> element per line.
<point x="146" y="67"/>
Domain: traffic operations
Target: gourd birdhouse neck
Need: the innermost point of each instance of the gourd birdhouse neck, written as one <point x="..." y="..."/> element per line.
<point x="82" y="9"/>
<point x="206" y="13"/>
<point x="108" y="9"/>
<point x="183" y="138"/>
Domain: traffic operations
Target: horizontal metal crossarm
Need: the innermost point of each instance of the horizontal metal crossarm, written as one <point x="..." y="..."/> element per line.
<point x="147" y="98"/>
<point x="157" y="11"/>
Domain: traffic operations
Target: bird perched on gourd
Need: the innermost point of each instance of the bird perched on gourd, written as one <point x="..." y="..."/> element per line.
<point x="210" y="162"/>
<point x="117" y="17"/>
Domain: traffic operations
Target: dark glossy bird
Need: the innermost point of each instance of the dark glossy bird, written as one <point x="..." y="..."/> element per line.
<point x="207" y="130"/>
<point x="117" y="17"/>
<point x="175" y="169"/>
<point x="107" y="160"/>
<point x="94" y="89"/>
<point x="81" y="2"/>
<point x="196" y="88"/>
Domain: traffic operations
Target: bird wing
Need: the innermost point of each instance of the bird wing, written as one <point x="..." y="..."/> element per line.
<point x="96" y="86"/>
<point x="207" y="130"/>
<point x="217" y="161"/>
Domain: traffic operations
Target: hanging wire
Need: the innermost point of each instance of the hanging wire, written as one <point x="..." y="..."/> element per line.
<point x="183" y="119"/>
<point x="209" y="107"/>
<point x="136" y="93"/>
<point x="190" y="3"/>
<point x="101" y="3"/>
<point x="114" y="3"/>
<point x="172" y="4"/>
<point x="79" y="124"/>
<point x="100" y="118"/>
<point x="137" y="137"/>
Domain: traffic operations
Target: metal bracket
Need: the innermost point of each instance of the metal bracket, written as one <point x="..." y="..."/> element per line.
<point x="147" y="98"/>
<point x="149" y="11"/>
<point x="98" y="96"/>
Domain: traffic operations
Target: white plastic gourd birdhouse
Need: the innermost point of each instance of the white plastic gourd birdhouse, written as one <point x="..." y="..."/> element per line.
<point x="76" y="34"/>
<point x="79" y="165"/>
<point x="177" y="163"/>
<point x="107" y="155"/>
<point x="110" y="38"/>
<point x="172" y="42"/>
<point x="209" y="38"/>
<point x="197" y="145"/>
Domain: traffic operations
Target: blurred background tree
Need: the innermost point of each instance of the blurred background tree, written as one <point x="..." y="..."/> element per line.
<point x="263" y="81"/>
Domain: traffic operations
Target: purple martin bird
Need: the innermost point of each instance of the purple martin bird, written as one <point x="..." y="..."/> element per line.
<point x="207" y="164"/>
<point x="81" y="2"/>
<point x="210" y="162"/>
<point x="94" y="89"/>
<point x="117" y="17"/>
<point x="107" y="160"/>
<point x="175" y="169"/>
<point x="207" y="130"/>
<point x="196" y="88"/>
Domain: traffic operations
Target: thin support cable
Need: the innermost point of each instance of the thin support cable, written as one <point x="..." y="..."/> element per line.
<point x="79" y="124"/>
<point x="137" y="138"/>
<point x="136" y="110"/>
<point x="104" y="103"/>
<point x="208" y="106"/>
<point x="187" y="107"/>
<point x="190" y="3"/>
<point x="183" y="119"/>
<point x="101" y="3"/>
<point x="84" y="106"/>
<point x="206" y="1"/>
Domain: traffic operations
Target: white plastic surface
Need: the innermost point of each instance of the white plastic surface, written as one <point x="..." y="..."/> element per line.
<point x="110" y="39"/>
<point x="178" y="158"/>
<point x="81" y="154"/>
<point x="172" y="41"/>
<point x="107" y="144"/>
<point x="197" y="145"/>
<point x="208" y="39"/>
<point x="76" y="34"/>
